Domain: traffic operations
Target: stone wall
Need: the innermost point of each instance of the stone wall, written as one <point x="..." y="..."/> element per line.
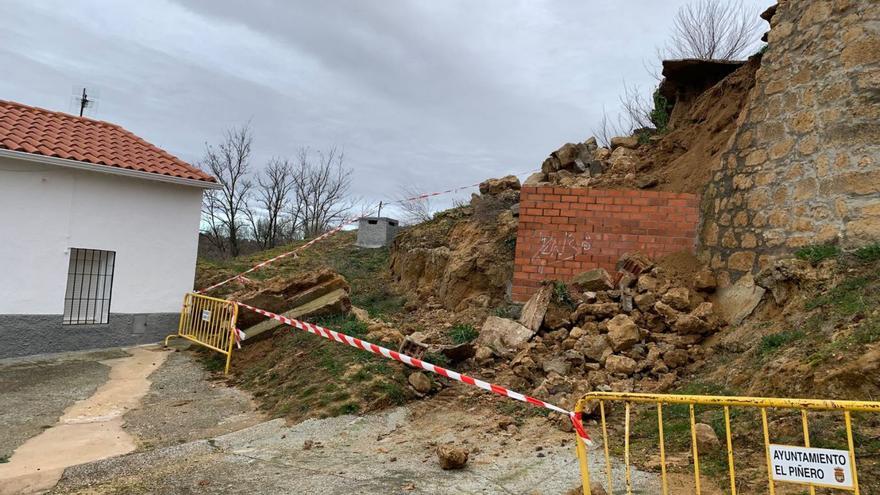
<point x="565" y="231"/>
<point x="802" y="167"/>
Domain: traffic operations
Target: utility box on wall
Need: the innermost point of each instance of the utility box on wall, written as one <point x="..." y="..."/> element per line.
<point x="376" y="232"/>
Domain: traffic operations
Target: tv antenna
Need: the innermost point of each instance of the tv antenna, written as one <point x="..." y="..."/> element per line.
<point x="84" y="100"/>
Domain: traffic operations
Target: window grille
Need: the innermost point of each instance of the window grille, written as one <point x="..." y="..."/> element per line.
<point x="89" y="287"/>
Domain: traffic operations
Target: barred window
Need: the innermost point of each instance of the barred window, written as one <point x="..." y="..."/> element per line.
<point x="89" y="287"/>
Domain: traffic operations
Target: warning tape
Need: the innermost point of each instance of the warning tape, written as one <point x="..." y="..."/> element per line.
<point x="341" y="226"/>
<point x="276" y="258"/>
<point x="575" y="417"/>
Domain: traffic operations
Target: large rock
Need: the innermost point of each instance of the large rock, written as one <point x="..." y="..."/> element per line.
<point x="534" y="310"/>
<point x="675" y="358"/>
<point x="630" y="142"/>
<point x="558" y="365"/>
<point x="620" y="365"/>
<point x="704" y="280"/>
<point x="503" y="335"/>
<point x="451" y="457"/>
<point x="677" y="297"/>
<point x="707" y="440"/>
<point x="689" y="324"/>
<point x="594" y="347"/>
<point x="420" y="382"/>
<point x="599" y="310"/>
<point x="595" y="280"/>
<point x="496" y="186"/>
<point x="737" y="301"/>
<point x="623" y="333"/>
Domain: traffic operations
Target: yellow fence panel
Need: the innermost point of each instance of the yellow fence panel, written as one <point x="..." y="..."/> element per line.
<point x="784" y="463"/>
<point x="209" y="322"/>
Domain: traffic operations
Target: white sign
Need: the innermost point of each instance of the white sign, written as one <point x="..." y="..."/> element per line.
<point x="817" y="467"/>
<point x="206" y="315"/>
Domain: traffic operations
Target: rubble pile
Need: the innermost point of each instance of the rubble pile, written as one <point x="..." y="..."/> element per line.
<point x="463" y="257"/>
<point x="635" y="331"/>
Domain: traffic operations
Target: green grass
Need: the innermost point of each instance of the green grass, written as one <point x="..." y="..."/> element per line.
<point x="845" y="299"/>
<point x="773" y="342"/>
<point x="461" y="333"/>
<point x="4" y="459"/>
<point x="868" y="253"/>
<point x="817" y="252"/>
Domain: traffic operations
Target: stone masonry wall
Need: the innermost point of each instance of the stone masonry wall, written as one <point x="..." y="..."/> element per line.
<point x="565" y="231"/>
<point x="802" y="167"/>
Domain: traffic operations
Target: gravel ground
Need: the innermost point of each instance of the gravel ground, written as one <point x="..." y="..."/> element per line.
<point x="35" y="391"/>
<point x="184" y="404"/>
<point x="390" y="452"/>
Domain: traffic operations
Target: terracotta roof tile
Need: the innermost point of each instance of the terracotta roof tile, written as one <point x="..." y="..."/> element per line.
<point x="44" y="132"/>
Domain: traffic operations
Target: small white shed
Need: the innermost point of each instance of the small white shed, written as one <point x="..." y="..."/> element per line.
<point x="100" y="233"/>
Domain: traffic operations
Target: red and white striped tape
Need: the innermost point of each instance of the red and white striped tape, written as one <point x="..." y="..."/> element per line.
<point x="342" y="338"/>
<point x="276" y="258"/>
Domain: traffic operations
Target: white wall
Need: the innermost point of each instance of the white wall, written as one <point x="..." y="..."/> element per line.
<point x="45" y="210"/>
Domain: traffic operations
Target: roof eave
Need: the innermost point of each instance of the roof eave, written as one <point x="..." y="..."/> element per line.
<point x="106" y="169"/>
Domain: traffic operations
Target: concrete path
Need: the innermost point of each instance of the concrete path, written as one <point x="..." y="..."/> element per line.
<point x="89" y="430"/>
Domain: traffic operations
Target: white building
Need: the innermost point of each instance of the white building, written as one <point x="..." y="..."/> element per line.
<point x="98" y="233"/>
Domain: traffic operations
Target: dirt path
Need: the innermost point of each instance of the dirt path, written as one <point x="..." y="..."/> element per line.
<point x="89" y="430"/>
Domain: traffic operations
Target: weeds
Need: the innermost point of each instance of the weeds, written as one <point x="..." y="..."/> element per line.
<point x="561" y="294"/>
<point x="773" y="342"/>
<point x="845" y="299"/>
<point x="817" y="252"/>
<point x="868" y="253"/>
<point x="4" y="459"/>
<point x="461" y="334"/>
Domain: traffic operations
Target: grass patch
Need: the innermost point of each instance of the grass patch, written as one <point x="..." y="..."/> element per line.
<point x="4" y="459"/>
<point x="845" y="299"/>
<point x="773" y="342"/>
<point x="461" y="334"/>
<point x="868" y="253"/>
<point x="817" y="252"/>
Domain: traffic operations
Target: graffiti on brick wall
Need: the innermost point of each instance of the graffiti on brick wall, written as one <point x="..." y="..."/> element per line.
<point x="561" y="246"/>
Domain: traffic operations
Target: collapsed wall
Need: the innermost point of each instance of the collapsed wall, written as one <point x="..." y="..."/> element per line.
<point x="802" y="166"/>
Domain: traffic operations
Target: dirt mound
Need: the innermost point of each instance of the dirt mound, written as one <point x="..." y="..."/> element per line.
<point x="464" y="256"/>
<point x="680" y="160"/>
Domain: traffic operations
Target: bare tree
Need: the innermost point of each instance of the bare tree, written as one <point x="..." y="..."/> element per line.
<point x="321" y="186"/>
<point x="229" y="163"/>
<point x="608" y="128"/>
<point x="713" y="30"/>
<point x="266" y="214"/>
<point x="415" y="209"/>
<point x="213" y="229"/>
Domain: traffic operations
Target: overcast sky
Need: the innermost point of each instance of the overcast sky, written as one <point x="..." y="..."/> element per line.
<point x="429" y="94"/>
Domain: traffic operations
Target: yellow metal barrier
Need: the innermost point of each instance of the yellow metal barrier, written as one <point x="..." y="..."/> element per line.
<point x="209" y="322"/>
<point x="725" y="402"/>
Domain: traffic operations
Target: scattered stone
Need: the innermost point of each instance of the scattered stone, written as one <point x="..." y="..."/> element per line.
<point x="620" y="365"/>
<point x="596" y="279"/>
<point x="595" y="347"/>
<point x="644" y="301"/>
<point x="689" y="324"/>
<point x="483" y="355"/>
<point x="497" y="186"/>
<point x="598" y="310"/>
<point x="707" y="440"/>
<point x="451" y="457"/>
<point x="675" y="358"/>
<point x="623" y="332"/>
<point x="503" y="335"/>
<point x="557" y="365"/>
<point x="677" y="297"/>
<point x="534" y="310"/>
<point x="630" y="142"/>
<point x="420" y="382"/>
<point x="704" y="280"/>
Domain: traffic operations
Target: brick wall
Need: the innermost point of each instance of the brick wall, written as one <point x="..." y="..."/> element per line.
<point x="565" y="231"/>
